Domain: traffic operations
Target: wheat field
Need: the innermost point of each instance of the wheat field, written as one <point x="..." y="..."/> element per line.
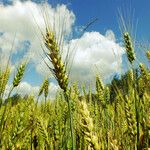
<point x="116" y="116"/>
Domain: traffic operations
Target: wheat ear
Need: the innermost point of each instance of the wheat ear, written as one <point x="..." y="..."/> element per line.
<point x="44" y="88"/>
<point x="4" y="76"/>
<point x="129" y="47"/>
<point x="130" y="119"/>
<point x="86" y="124"/>
<point x="54" y="55"/>
<point x="18" y="77"/>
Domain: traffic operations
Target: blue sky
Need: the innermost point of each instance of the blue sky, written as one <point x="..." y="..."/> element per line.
<point x="107" y="10"/>
<point x="105" y="31"/>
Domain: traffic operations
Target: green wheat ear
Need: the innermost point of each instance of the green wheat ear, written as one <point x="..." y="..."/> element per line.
<point x="44" y="88"/>
<point x="46" y="85"/>
<point x="129" y="47"/>
<point x="4" y="76"/>
<point x="41" y="90"/>
<point x="107" y="95"/>
<point x="99" y="84"/>
<point x="19" y="75"/>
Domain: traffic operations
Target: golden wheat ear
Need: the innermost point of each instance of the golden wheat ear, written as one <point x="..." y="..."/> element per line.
<point x="86" y="125"/>
<point x="59" y="69"/>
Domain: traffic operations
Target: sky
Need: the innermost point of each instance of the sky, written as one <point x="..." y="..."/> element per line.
<point x="99" y="48"/>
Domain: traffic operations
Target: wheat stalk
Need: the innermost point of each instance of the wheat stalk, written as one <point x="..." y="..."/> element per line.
<point x="59" y="70"/>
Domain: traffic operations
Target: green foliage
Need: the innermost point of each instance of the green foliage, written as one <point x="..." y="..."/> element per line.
<point x="99" y="122"/>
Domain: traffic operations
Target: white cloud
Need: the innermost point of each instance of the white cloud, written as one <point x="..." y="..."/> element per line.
<point x="92" y="48"/>
<point x="95" y="50"/>
<point x="23" y="18"/>
<point x="43" y="69"/>
<point x="25" y="88"/>
<point x="110" y="35"/>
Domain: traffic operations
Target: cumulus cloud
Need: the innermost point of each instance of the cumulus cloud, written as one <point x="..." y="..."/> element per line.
<point x="24" y="18"/>
<point x="92" y="49"/>
<point x="96" y="50"/>
<point x="110" y="35"/>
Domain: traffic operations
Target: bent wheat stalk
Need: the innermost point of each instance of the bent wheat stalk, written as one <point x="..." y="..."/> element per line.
<point x="59" y="70"/>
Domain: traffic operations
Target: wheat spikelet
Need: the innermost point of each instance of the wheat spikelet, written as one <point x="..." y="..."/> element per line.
<point x="54" y="55"/>
<point x="99" y="84"/>
<point x="4" y="76"/>
<point x="19" y="75"/>
<point x="107" y="95"/>
<point x="44" y="88"/>
<point x="130" y="76"/>
<point x="141" y="87"/>
<point x="86" y="124"/>
<point x="144" y="71"/>
<point x="129" y="47"/>
<point x="130" y="119"/>
<point x="43" y="131"/>
<point x="143" y="81"/>
<point x="41" y="90"/>
<point x="100" y="90"/>
<point x="46" y="85"/>
<point x="113" y="142"/>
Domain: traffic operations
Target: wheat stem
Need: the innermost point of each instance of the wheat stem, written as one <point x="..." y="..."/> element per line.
<point x="59" y="70"/>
